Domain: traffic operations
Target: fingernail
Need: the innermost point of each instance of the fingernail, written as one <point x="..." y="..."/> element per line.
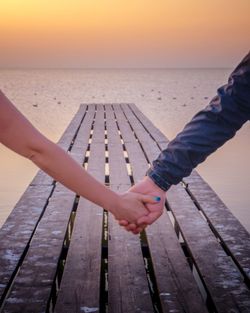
<point x="158" y="199"/>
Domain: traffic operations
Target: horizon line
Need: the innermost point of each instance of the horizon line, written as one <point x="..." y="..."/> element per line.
<point x="111" y="68"/>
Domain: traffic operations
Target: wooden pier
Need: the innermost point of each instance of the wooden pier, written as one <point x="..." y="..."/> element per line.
<point x="61" y="253"/>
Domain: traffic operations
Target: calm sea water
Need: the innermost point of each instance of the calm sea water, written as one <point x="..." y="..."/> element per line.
<point x="168" y="97"/>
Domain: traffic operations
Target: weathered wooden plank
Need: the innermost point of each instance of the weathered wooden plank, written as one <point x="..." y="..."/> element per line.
<point x="81" y="142"/>
<point x="42" y="179"/>
<point x="222" y="279"/>
<point x="44" y="250"/>
<point x="80" y="285"/>
<point x="32" y="286"/>
<point x="149" y="126"/>
<point x="39" y="294"/>
<point x="129" y="139"/>
<point x="39" y="267"/>
<point x="79" y="288"/>
<point x="128" y="288"/>
<point x="143" y="137"/>
<point x="17" y="231"/>
<point x="127" y="134"/>
<point x="176" y="285"/>
<point x="65" y="141"/>
<point x="230" y="231"/>
<point x="226" y="226"/>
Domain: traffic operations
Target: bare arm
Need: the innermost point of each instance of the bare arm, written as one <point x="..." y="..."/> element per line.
<point x="18" y="134"/>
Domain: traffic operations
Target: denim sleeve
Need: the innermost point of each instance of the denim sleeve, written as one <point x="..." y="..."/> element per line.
<point x="207" y="131"/>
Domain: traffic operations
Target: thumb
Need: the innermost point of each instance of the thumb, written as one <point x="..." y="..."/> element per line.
<point x="150" y="199"/>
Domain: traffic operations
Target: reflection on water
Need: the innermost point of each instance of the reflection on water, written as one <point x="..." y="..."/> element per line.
<point x="168" y="97"/>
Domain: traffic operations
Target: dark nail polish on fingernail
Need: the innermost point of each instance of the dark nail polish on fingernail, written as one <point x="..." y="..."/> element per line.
<point x="158" y="199"/>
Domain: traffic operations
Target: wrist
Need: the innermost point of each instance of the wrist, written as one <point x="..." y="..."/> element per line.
<point x="158" y="179"/>
<point x="151" y="185"/>
<point x="111" y="201"/>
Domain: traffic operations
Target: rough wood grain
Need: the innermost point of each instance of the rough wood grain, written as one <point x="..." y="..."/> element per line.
<point x="39" y="267"/>
<point x="230" y="231"/>
<point x="80" y="285"/>
<point x="17" y="231"/>
<point x="223" y="280"/>
<point x="176" y="285"/>
<point x="39" y="234"/>
<point x="128" y="286"/>
<point x="149" y="126"/>
<point x="24" y="219"/>
<point x="66" y="139"/>
<point x="220" y="275"/>
<point x="233" y="235"/>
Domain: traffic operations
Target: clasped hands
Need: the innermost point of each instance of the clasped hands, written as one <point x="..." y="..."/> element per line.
<point x="142" y="205"/>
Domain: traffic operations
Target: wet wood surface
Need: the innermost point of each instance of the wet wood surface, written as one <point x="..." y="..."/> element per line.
<point x="53" y="246"/>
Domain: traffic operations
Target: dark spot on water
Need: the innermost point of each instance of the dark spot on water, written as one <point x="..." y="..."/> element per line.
<point x="174" y="98"/>
<point x="93" y="97"/>
<point x="192" y="98"/>
<point x="35" y="93"/>
<point x="142" y="95"/>
<point x="205" y="97"/>
<point x="54" y="98"/>
<point x="103" y="96"/>
<point x="59" y="102"/>
<point x="35" y="105"/>
<point x="184" y="105"/>
<point x="194" y="87"/>
<point x="159" y="98"/>
<point x="152" y="90"/>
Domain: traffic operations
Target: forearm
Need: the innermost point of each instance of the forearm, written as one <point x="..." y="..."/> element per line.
<point x="207" y="131"/>
<point x="58" y="164"/>
<point x="19" y="135"/>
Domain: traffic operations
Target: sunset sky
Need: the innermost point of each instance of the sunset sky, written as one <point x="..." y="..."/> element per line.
<point x="171" y="33"/>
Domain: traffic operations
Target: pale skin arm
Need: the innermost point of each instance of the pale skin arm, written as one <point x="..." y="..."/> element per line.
<point x="19" y="135"/>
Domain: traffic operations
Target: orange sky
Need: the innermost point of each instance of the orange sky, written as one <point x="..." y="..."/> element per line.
<point x="165" y="32"/>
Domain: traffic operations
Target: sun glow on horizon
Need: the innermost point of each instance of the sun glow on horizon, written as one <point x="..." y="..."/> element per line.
<point x="96" y="30"/>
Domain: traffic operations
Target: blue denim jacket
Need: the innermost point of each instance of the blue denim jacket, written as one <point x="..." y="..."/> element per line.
<point x="207" y="131"/>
